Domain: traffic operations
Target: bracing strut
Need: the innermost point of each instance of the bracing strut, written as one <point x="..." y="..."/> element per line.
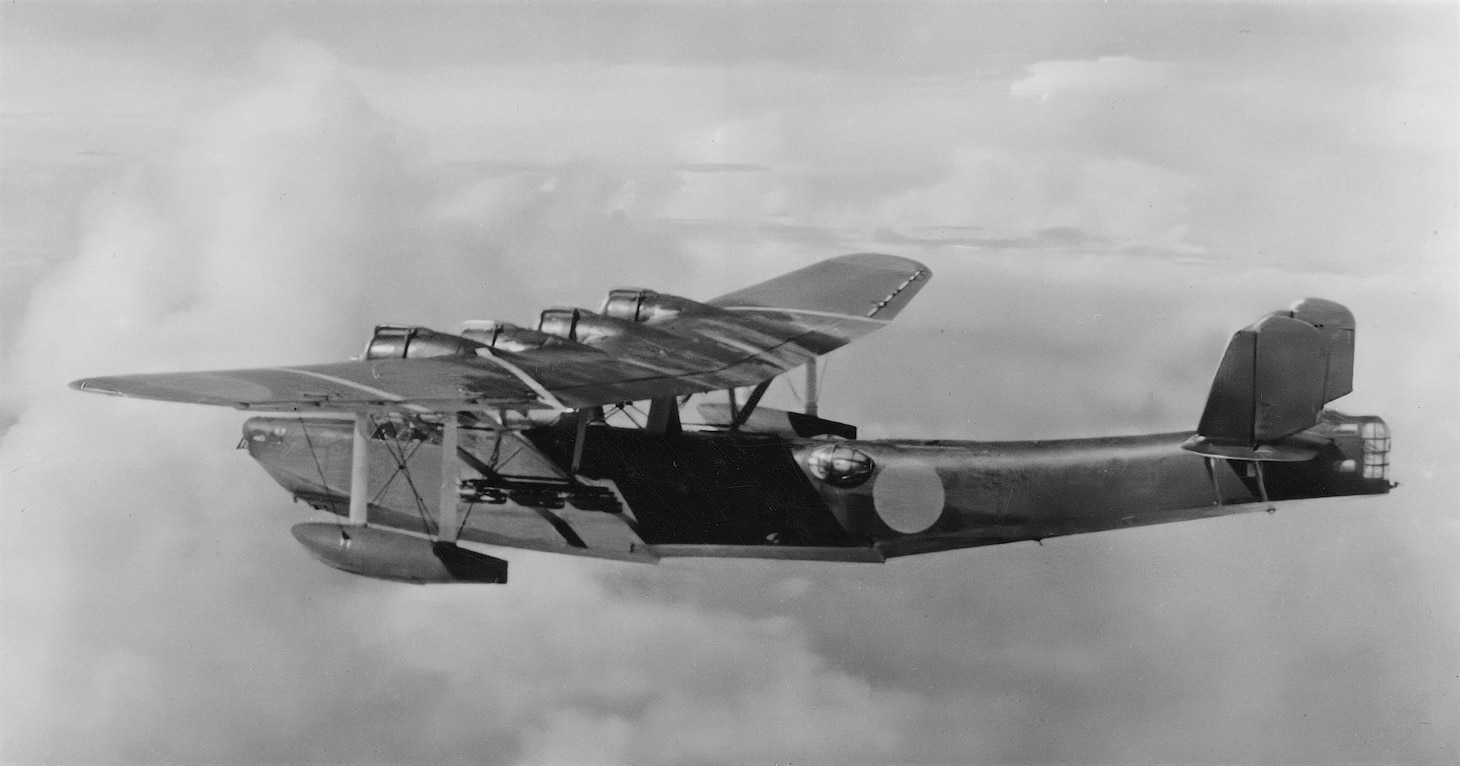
<point x="360" y="471"/>
<point x="446" y="525"/>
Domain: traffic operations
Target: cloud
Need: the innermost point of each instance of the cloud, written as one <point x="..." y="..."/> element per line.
<point x="143" y="617"/>
<point x="1106" y="76"/>
<point x="1092" y="203"/>
<point x="1265" y="145"/>
<point x="154" y="607"/>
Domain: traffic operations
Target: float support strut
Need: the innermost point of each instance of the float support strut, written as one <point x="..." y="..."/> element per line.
<point x="447" y="523"/>
<point x="360" y="471"/>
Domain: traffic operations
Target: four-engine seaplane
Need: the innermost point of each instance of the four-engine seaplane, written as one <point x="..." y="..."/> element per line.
<point x="503" y="435"/>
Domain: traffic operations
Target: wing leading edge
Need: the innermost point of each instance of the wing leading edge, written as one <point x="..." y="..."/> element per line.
<point x="739" y="339"/>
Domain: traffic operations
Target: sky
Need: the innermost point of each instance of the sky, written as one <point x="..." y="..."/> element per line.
<point x="1105" y="192"/>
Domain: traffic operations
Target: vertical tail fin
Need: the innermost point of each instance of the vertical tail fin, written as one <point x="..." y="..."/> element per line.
<point x="1273" y="382"/>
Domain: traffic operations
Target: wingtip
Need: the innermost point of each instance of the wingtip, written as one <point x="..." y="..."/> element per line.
<point x="92" y="386"/>
<point x="889" y="263"/>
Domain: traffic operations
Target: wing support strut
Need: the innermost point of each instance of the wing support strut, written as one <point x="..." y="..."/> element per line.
<point x="663" y="416"/>
<point x="447" y="526"/>
<point x="579" y="437"/>
<point x="811" y="393"/>
<point x="360" y="471"/>
<point x="742" y="414"/>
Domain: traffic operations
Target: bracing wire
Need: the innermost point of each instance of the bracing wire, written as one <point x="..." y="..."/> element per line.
<point x="400" y="457"/>
<point x="623" y="409"/>
<point x="821" y="365"/>
<point x="323" y="482"/>
<point x="795" y="392"/>
<point x="401" y="466"/>
<point x="465" y="517"/>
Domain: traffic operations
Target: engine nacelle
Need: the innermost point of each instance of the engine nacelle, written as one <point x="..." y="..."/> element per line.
<point x="632" y="304"/>
<point x="410" y="342"/>
<point x="578" y="325"/>
<point x="505" y="336"/>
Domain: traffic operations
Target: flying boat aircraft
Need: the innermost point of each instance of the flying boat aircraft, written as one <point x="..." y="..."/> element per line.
<point x="502" y="435"/>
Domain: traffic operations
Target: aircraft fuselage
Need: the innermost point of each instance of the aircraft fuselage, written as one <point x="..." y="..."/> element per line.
<point x="637" y="495"/>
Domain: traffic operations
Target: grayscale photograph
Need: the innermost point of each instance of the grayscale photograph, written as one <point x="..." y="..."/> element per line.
<point x="729" y="382"/>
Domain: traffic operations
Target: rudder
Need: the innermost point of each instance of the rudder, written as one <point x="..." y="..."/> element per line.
<point x="1273" y="381"/>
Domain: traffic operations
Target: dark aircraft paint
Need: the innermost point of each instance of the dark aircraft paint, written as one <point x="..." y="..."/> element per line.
<point x="756" y="493"/>
<point x="705" y="488"/>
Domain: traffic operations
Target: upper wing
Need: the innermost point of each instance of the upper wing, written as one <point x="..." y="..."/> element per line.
<point x="738" y="339"/>
<point x="419" y="384"/>
<point x="866" y="286"/>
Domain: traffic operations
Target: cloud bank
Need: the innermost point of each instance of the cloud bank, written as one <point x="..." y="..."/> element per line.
<point x="288" y="220"/>
<point x="1093" y="250"/>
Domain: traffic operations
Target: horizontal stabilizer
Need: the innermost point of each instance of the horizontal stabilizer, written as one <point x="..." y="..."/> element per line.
<point x="1273" y="381"/>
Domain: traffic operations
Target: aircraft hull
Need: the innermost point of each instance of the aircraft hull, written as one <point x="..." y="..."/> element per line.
<point x="747" y="495"/>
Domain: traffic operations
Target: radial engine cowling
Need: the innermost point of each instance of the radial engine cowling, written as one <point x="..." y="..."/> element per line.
<point x="409" y="342"/>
